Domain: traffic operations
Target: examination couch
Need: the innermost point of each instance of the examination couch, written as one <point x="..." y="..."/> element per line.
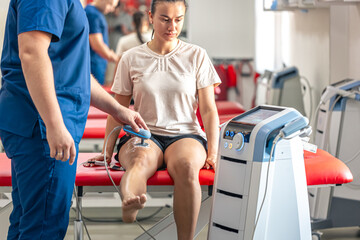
<point x="94" y="132"/>
<point x="321" y="169"/>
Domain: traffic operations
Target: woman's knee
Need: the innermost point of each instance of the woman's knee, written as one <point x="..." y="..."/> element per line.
<point x="141" y="163"/>
<point x="184" y="170"/>
<point x="140" y="158"/>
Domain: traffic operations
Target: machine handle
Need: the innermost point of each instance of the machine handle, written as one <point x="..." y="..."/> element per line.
<point x="294" y="126"/>
<point x="332" y="91"/>
<point x="144" y="134"/>
<point x="357" y="96"/>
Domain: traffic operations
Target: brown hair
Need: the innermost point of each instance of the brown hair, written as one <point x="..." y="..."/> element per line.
<point x="138" y="21"/>
<point x="154" y="2"/>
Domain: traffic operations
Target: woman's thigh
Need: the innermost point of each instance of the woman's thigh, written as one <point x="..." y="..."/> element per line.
<point x="184" y="155"/>
<point x="131" y="153"/>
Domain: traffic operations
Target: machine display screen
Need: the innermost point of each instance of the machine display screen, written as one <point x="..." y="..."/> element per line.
<point x="257" y="116"/>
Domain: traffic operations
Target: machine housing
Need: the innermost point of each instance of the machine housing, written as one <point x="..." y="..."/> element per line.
<point x="244" y="175"/>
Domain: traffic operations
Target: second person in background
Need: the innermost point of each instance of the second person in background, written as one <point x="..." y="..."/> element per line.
<point x="139" y="36"/>
<point x="168" y="80"/>
<point x="99" y="37"/>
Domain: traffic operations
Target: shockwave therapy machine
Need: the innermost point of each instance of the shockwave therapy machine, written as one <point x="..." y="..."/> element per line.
<point x="338" y="132"/>
<point x="286" y="89"/>
<point x="260" y="189"/>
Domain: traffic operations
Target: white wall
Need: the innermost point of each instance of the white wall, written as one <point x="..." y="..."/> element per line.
<point x="354" y="41"/>
<point x="266" y="33"/>
<point x="305" y="40"/>
<point x="226" y="29"/>
<point x="345" y="42"/>
<point x="295" y="38"/>
<point x="323" y="43"/>
<point x="339" y="34"/>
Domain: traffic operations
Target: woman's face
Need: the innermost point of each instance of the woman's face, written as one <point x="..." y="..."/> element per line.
<point x="168" y="20"/>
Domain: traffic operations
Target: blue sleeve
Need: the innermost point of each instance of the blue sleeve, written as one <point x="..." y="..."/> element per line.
<point x="95" y="23"/>
<point x="42" y="15"/>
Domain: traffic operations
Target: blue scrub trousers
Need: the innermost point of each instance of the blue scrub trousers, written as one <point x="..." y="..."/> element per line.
<point x="42" y="188"/>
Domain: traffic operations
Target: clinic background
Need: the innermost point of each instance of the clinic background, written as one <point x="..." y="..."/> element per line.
<point x="323" y="43"/>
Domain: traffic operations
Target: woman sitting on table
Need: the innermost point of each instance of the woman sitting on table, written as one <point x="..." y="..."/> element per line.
<point x="168" y="80"/>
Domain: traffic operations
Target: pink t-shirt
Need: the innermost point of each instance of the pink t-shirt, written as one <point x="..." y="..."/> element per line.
<point x="164" y="87"/>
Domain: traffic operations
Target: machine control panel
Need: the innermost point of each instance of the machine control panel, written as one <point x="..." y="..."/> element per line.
<point x="236" y="136"/>
<point x="238" y="141"/>
<point x="238" y="130"/>
<point x="233" y="129"/>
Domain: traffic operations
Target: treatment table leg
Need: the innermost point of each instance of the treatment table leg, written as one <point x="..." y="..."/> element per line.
<point x="78" y="224"/>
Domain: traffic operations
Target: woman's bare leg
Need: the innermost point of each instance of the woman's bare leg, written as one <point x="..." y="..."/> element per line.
<point x="184" y="159"/>
<point x="140" y="164"/>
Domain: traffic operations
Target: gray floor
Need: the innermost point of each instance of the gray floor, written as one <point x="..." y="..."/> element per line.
<point x="108" y="208"/>
<point x="112" y="231"/>
<point x="350" y="233"/>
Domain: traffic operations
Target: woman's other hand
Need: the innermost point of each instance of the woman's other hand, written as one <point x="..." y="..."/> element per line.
<point x="210" y="162"/>
<point x="99" y="158"/>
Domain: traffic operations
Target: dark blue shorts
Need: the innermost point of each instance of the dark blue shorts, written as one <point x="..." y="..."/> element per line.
<point x="163" y="142"/>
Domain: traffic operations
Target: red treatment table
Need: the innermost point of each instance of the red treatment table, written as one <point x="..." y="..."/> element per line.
<point x="321" y="169"/>
<point x="95" y="128"/>
<point x="108" y="89"/>
<point x="95" y="113"/>
<point x="223" y="107"/>
<point x="94" y="132"/>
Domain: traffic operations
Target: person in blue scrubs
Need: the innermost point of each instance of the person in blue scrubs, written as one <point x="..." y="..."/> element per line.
<point x="44" y="100"/>
<point x="99" y="37"/>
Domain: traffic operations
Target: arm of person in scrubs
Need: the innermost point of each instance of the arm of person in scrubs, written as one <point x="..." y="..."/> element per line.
<point x="105" y="102"/>
<point x="99" y="46"/>
<point x="111" y="123"/>
<point x="39" y="77"/>
<point x="210" y="120"/>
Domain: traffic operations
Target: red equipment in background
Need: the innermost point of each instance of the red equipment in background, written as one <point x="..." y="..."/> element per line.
<point x="233" y="74"/>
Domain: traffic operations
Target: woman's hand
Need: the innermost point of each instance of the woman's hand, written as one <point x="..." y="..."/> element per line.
<point x="210" y="161"/>
<point x="99" y="157"/>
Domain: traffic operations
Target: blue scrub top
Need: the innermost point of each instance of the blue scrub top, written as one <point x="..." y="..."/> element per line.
<point x="97" y="24"/>
<point x="70" y="56"/>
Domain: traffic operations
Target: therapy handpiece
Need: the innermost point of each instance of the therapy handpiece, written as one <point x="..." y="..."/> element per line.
<point x="143" y="134"/>
<point x="294" y="127"/>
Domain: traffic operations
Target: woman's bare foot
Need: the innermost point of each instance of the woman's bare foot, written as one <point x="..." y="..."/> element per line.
<point x="131" y="206"/>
